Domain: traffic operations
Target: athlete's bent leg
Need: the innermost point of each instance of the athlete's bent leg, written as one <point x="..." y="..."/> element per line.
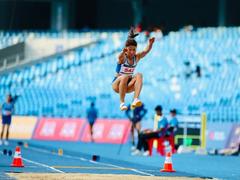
<point x="122" y="91"/>
<point x="137" y="90"/>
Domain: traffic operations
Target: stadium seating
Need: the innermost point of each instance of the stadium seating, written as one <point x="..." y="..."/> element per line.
<point x="64" y="86"/>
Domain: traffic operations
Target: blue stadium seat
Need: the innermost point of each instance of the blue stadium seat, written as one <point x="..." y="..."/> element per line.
<point x="64" y="86"/>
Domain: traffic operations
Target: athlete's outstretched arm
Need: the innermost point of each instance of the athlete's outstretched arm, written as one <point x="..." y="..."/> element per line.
<point x="121" y="56"/>
<point x="146" y="50"/>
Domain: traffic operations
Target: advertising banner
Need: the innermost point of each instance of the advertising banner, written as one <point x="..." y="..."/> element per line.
<point x="59" y="129"/>
<point x="108" y="131"/>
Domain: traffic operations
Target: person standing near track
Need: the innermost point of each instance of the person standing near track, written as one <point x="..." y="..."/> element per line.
<point x="135" y="116"/>
<point x="92" y="116"/>
<point x="7" y="111"/>
<point x="124" y="80"/>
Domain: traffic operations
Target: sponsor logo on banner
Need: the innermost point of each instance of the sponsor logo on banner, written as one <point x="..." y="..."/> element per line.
<point x="217" y="135"/>
<point x="98" y="131"/>
<point x="116" y="131"/>
<point x="108" y="131"/>
<point x="48" y="129"/>
<point x="59" y="129"/>
<point x="22" y="127"/>
<point x="68" y="129"/>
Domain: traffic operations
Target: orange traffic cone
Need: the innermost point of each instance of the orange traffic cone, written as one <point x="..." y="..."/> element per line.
<point x="17" y="160"/>
<point x="168" y="164"/>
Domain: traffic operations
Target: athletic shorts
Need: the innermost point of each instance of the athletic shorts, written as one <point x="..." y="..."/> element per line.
<point x="135" y="120"/>
<point x="6" y="120"/>
<point x="91" y="123"/>
<point x="117" y="77"/>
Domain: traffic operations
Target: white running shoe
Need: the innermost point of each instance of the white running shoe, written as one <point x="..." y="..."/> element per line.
<point x="6" y="143"/>
<point x="146" y="153"/>
<point x="136" y="103"/>
<point x="123" y="107"/>
<point x="133" y="148"/>
<point x="136" y="153"/>
<point x="1" y="142"/>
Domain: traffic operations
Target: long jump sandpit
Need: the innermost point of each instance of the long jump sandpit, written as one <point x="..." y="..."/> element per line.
<point x="78" y="176"/>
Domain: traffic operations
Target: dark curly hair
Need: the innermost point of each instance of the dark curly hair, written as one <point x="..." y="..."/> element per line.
<point x="131" y="35"/>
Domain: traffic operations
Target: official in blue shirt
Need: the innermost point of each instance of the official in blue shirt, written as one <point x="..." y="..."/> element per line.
<point x="162" y="123"/>
<point x="135" y="116"/>
<point x="6" y="111"/>
<point x="92" y="116"/>
<point x="173" y="123"/>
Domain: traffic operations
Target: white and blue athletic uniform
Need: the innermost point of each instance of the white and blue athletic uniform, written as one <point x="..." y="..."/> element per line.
<point x="125" y="68"/>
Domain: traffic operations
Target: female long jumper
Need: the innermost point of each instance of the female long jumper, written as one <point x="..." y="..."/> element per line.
<point x="125" y="81"/>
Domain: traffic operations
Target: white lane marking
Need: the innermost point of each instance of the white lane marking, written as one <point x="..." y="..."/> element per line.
<point x="43" y="165"/>
<point x="149" y="170"/>
<point x="132" y="169"/>
<point x="141" y="172"/>
<point x="40" y="164"/>
<point x="94" y="162"/>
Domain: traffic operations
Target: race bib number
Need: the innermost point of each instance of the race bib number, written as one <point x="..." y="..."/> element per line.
<point x="127" y="70"/>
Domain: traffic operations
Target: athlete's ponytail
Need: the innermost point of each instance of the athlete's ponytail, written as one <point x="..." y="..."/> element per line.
<point x="131" y="35"/>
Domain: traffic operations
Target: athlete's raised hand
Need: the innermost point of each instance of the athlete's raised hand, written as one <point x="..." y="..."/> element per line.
<point x="151" y="40"/>
<point x="125" y="50"/>
<point x="147" y="49"/>
<point x="122" y="55"/>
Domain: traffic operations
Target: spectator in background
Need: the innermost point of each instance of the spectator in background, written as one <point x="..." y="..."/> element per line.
<point x="138" y="28"/>
<point x="135" y="116"/>
<point x="172" y="128"/>
<point x="198" y="71"/>
<point x="188" y="70"/>
<point x="188" y="28"/>
<point x="92" y="116"/>
<point x="173" y="123"/>
<point x="147" y="34"/>
<point x="158" y="33"/>
<point x="7" y="111"/>
<point x="148" y="134"/>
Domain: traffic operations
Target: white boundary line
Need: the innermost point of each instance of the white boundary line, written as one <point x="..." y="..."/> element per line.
<point x="43" y="165"/>
<point x="94" y="162"/>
